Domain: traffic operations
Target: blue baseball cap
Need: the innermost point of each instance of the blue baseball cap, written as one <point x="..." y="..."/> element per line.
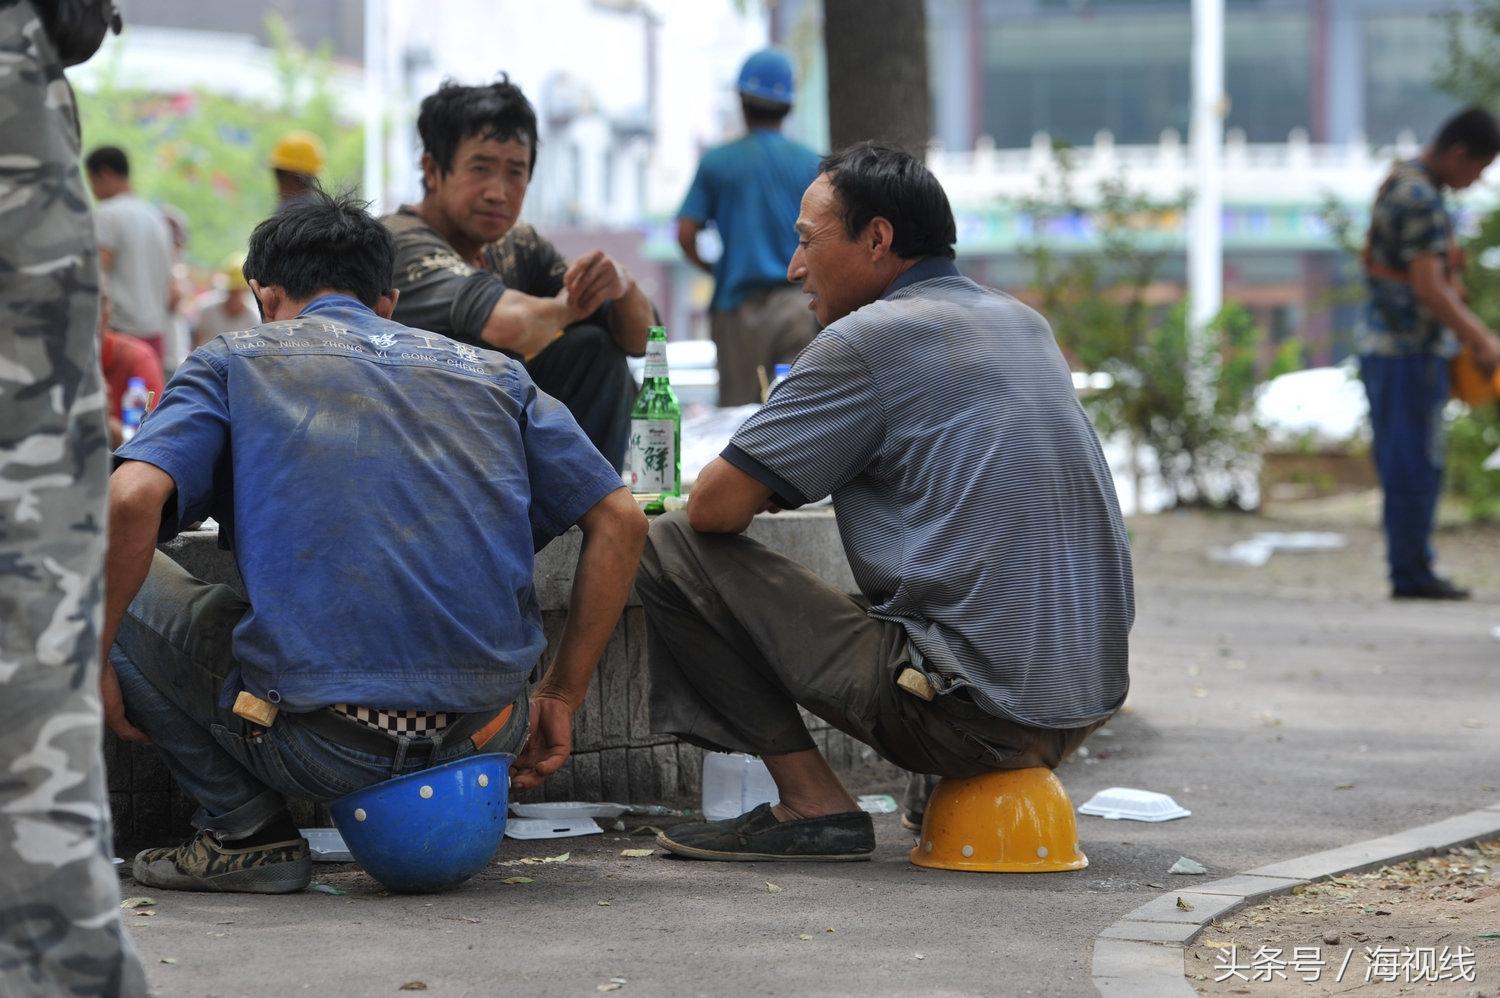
<point x="767" y="76"/>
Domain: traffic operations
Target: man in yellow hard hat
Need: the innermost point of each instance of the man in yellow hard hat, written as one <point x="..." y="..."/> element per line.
<point x="297" y="161"/>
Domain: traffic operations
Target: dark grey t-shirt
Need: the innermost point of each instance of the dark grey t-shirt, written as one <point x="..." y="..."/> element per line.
<point x="443" y="293"/>
<point x="973" y="499"/>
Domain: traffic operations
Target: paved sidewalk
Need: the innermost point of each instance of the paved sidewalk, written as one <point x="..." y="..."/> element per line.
<point x="1292" y="708"/>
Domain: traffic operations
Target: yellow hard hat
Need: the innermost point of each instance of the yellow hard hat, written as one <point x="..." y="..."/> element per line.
<point x="234" y="272"/>
<point x="298" y="152"/>
<point x="1012" y="821"/>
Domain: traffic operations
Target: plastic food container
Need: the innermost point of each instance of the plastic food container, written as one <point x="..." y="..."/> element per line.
<point x="1133" y="805"/>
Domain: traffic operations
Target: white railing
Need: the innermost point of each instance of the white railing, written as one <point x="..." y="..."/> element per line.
<point x="1291" y="172"/>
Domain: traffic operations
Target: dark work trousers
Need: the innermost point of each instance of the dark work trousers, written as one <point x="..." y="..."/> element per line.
<point x="739" y="636"/>
<point x="1407" y="395"/>
<point x="585" y="370"/>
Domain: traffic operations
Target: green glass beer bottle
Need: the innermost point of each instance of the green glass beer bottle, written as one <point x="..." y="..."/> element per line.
<point x="653" y="462"/>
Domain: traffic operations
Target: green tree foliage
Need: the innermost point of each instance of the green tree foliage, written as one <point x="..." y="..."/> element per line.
<point x="205" y="153"/>
<point x="1472" y="72"/>
<point x="1189" y="399"/>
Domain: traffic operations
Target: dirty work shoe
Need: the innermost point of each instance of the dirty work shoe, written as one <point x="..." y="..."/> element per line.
<point x="757" y="835"/>
<point x="206" y="864"/>
<point x="1436" y="589"/>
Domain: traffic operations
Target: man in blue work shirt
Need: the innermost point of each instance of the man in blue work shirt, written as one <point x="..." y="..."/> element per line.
<point x="749" y="189"/>
<point x="384" y="494"/>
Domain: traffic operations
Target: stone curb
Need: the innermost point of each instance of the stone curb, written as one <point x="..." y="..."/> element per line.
<point x="1140" y="956"/>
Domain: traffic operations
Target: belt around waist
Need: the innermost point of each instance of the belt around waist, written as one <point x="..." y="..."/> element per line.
<point x="478" y="727"/>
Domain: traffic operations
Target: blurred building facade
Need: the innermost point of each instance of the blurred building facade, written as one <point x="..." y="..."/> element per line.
<point x="1323" y="94"/>
<point x="630" y="92"/>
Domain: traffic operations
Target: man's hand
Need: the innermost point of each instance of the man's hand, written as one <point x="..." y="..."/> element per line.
<point x="593" y="279"/>
<point x="549" y="743"/>
<point x="114" y="707"/>
<point x="1486" y="352"/>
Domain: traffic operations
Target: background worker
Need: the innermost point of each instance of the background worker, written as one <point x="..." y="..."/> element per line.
<point x="1416" y="310"/>
<point x="230" y="311"/>
<point x="297" y="162"/>
<point x="135" y="251"/>
<point x="748" y="190"/>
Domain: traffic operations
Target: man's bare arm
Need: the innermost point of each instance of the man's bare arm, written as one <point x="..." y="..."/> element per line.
<point x="725" y="499"/>
<point x="1433" y="289"/>
<point x="525" y="324"/>
<point x="137" y="493"/>
<point x="614" y="534"/>
<point x="687" y="238"/>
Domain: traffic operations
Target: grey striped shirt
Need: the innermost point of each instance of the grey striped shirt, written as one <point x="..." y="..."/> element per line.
<point x="973" y="499"/>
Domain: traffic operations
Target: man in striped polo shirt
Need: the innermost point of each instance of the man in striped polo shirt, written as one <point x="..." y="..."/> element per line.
<point x="975" y="507"/>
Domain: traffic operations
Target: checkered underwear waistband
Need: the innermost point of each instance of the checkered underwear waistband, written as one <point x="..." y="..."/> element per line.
<point x="396" y="722"/>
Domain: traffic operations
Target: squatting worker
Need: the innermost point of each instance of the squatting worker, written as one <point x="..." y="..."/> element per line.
<point x="1415" y="310"/>
<point x="975" y="508"/>
<point x="749" y="190"/>
<point x="468" y="269"/>
<point x="384" y="493"/>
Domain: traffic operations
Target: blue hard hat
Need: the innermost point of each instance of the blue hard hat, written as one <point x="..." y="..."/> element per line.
<point x="429" y="830"/>
<point x="767" y="75"/>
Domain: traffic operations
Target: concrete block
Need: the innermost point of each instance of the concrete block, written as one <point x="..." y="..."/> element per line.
<point x="559" y="786"/>
<point x="587" y="782"/>
<point x="664" y="758"/>
<point x="1249" y="887"/>
<point x="690" y="773"/>
<point x="638" y="679"/>
<point x="1148" y="986"/>
<point x="1480" y="824"/>
<point x="1205" y="907"/>
<point x="614" y="775"/>
<point x="614" y="693"/>
<point x="1138" y="960"/>
<point x="644" y="784"/>
<point x="1152" y="932"/>
<point x="1360" y="856"/>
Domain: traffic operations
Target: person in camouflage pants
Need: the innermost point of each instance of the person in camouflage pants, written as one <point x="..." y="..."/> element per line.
<point x="60" y="930"/>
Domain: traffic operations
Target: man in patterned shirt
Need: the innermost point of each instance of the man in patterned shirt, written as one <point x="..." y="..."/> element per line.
<point x="468" y="269"/>
<point x="1415" y="318"/>
<point x="975" y="507"/>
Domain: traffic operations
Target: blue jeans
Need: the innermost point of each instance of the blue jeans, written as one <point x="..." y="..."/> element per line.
<point x="172" y="653"/>
<point x="1407" y="395"/>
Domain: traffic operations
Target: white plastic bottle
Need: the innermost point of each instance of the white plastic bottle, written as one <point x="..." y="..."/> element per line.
<point x="133" y="406"/>
<point x="734" y="783"/>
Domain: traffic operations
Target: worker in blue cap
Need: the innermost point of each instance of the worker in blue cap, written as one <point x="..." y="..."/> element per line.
<point x="750" y="190"/>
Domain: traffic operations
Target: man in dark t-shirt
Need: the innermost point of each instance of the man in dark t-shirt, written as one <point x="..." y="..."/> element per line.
<point x="466" y="269"/>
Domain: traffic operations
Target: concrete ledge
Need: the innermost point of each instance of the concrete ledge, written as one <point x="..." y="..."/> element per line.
<point x="616" y="755"/>
<point x="1142" y="953"/>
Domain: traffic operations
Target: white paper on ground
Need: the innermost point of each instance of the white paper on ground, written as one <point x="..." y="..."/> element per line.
<point x="877" y="803"/>
<point x="1133" y="805"/>
<point x="548" y="828"/>
<point x="327" y="845"/>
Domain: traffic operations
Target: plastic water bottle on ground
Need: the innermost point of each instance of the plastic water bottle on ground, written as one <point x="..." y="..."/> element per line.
<point x="734" y="783"/>
<point x="133" y="406"/>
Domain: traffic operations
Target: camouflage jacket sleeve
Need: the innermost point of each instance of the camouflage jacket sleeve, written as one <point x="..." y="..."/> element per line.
<point x="1414" y="221"/>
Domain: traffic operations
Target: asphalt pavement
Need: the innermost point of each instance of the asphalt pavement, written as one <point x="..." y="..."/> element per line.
<point x="1292" y="708"/>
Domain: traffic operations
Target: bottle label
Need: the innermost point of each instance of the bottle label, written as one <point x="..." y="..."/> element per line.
<point x="651" y="464"/>
<point x="656" y="359"/>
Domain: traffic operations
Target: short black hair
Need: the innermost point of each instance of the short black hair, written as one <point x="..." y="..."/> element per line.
<point x="1475" y="129"/>
<point x="455" y="112"/>
<point x="873" y="180"/>
<point x="759" y="111"/>
<point x="110" y="158"/>
<point x="322" y="242"/>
